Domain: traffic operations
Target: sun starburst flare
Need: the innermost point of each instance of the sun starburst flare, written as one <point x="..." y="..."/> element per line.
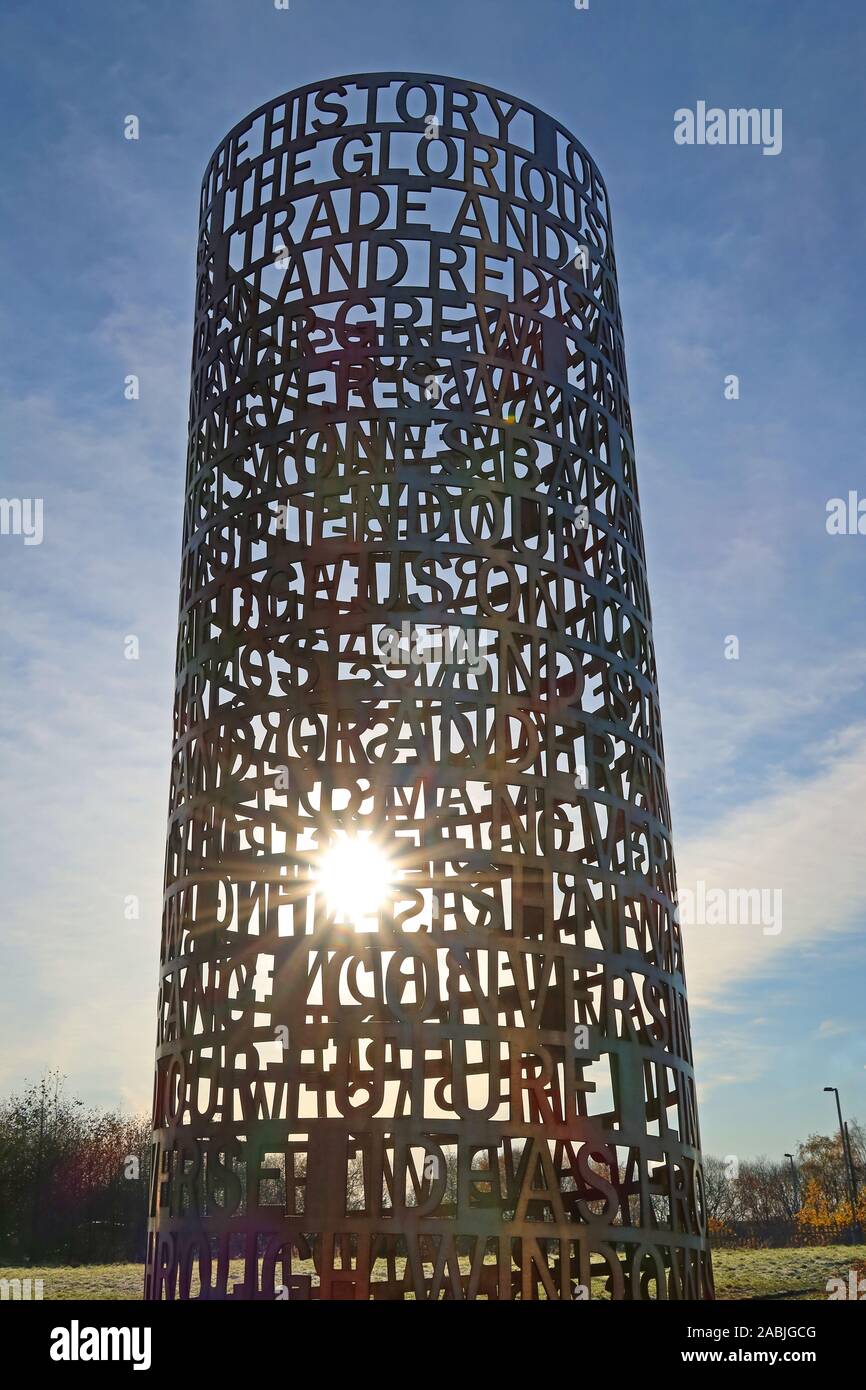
<point x="355" y="876"/>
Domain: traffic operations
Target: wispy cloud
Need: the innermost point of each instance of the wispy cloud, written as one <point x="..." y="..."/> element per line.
<point x="804" y="838"/>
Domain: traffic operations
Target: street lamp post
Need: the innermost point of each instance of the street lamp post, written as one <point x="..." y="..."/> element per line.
<point x="843" y="1132"/>
<point x="796" y="1177"/>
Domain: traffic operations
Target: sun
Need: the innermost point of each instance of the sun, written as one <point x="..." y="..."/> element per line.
<point x="355" y="877"/>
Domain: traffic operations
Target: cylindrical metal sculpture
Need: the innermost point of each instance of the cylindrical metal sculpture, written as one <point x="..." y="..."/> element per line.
<point x="422" y="1025"/>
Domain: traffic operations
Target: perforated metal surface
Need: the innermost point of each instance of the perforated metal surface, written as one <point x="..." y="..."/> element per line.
<point x="414" y="617"/>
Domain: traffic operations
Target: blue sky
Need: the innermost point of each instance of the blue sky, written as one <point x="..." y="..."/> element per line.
<point x="729" y="262"/>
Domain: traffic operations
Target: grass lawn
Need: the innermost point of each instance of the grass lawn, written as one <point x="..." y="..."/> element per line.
<point x="798" y="1273"/>
<point x="84" y="1281"/>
